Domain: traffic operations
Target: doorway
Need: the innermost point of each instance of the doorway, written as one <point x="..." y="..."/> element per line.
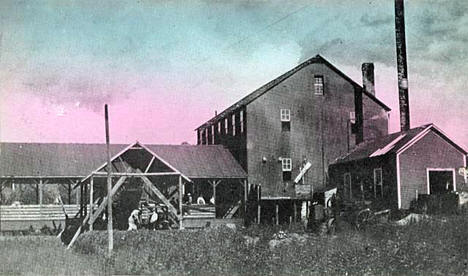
<point x="440" y="181"/>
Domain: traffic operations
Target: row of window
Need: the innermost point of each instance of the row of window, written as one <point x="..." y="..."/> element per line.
<point x="376" y="189"/>
<point x="208" y="137"/>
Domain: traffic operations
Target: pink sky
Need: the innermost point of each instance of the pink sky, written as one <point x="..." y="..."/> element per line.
<point x="165" y="67"/>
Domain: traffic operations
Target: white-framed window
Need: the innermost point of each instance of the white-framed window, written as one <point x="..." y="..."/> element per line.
<point x="285" y="115"/>
<point x="219" y="127"/>
<point x="241" y="118"/>
<point x="212" y="134"/>
<point x="318" y="85"/>
<point x="348" y="193"/>
<point x="226" y="126"/>
<point x="378" y="182"/>
<point x="233" y="124"/>
<point x="352" y="117"/>
<point x="286" y="164"/>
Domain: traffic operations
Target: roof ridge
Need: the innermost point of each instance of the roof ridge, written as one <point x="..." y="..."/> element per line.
<point x="273" y="83"/>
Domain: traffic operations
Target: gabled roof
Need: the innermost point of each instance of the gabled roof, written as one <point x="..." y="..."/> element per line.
<point x="394" y="143"/>
<point x="265" y="88"/>
<point x="79" y="160"/>
<point x="201" y="161"/>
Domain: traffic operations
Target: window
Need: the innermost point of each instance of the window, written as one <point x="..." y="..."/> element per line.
<point x="352" y="117"/>
<point x="233" y="124"/>
<point x="318" y="85"/>
<point x="285" y="115"/>
<point x="286" y="166"/>
<point x="212" y="134"/>
<point x="219" y="127"/>
<point x="348" y="193"/>
<point x="241" y="115"/>
<point x="352" y="121"/>
<point x="206" y="136"/>
<point x="378" y="183"/>
<point x="199" y="136"/>
<point x="226" y="126"/>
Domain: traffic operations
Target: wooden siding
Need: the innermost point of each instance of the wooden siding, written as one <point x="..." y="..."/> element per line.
<point x="236" y="144"/>
<point x="316" y="122"/>
<point x="432" y="151"/>
<point x="363" y="170"/>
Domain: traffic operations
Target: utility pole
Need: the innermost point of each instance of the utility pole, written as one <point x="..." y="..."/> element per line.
<point x="110" y="230"/>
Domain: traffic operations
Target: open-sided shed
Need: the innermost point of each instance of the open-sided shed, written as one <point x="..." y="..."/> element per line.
<point x="206" y="171"/>
<point x="165" y="173"/>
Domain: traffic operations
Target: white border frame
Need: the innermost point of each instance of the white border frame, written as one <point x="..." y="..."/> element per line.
<point x="454" y="177"/>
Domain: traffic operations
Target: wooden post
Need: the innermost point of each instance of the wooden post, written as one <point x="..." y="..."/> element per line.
<point x="259" y="211"/>
<point x="81" y="200"/>
<point x="259" y="207"/>
<point x="276" y="213"/>
<point x="77" y="196"/>
<point x="91" y="199"/>
<point x="40" y="192"/>
<point x="214" y="193"/>
<point x="110" y="230"/>
<point x="85" y="194"/>
<point x="180" y="203"/>
<point x="69" y="193"/>
<point x="37" y="193"/>
<point x="245" y="199"/>
<point x="295" y="210"/>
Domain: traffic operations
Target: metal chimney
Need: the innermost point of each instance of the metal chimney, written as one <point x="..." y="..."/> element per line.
<point x="368" y="78"/>
<point x="402" y="65"/>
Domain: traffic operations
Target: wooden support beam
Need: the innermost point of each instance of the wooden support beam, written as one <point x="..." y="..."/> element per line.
<point x="91" y="201"/>
<point x="85" y="194"/>
<point x="69" y="193"/>
<point x="259" y="212"/>
<point x="150" y="163"/>
<point x="246" y="194"/>
<point x="40" y="192"/>
<point x="214" y="184"/>
<point x="295" y="210"/>
<point x="2" y="185"/>
<point x="103" y="205"/>
<point x="37" y="193"/>
<point x="124" y="164"/>
<point x="160" y="195"/>
<point x="181" y="226"/>
<point x="276" y="213"/>
<point x="138" y="174"/>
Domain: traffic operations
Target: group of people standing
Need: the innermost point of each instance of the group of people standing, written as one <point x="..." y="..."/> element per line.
<point x="148" y="217"/>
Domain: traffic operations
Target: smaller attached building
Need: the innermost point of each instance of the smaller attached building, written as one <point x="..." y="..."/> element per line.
<point x="396" y="168"/>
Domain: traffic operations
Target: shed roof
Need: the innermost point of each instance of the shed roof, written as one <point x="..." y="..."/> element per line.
<point x="265" y="88"/>
<point x="393" y="143"/>
<point x="79" y="160"/>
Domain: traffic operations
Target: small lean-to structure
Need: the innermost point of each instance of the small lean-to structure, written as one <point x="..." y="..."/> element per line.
<point x="397" y="168"/>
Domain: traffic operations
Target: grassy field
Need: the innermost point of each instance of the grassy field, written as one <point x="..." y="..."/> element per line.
<point x="438" y="247"/>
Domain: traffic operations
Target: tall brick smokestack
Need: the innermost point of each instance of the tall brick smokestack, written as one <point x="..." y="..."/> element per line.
<point x="402" y="65"/>
<point x="368" y="77"/>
